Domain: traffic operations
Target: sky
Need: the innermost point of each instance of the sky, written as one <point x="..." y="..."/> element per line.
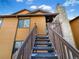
<point x="12" y="6"/>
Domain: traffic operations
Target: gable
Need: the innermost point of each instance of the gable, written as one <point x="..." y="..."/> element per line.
<point x="39" y="12"/>
<point x="21" y="12"/>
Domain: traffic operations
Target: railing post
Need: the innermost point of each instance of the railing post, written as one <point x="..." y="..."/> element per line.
<point x="24" y="52"/>
<point x="63" y="49"/>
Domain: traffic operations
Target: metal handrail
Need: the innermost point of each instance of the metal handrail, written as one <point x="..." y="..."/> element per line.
<point x="24" y="52"/>
<point x="63" y="48"/>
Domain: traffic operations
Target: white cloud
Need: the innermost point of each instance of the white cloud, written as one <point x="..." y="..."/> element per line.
<point x="19" y="0"/>
<point x="71" y="13"/>
<point x="24" y="0"/>
<point x="72" y="10"/>
<point x="29" y="0"/>
<point x="71" y="2"/>
<point x="34" y="7"/>
<point x="70" y="17"/>
<point x="43" y="7"/>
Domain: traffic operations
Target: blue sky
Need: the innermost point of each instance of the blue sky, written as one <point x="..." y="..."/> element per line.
<point x="11" y="6"/>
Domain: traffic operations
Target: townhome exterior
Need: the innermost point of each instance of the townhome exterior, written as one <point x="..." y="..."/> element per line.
<point x="15" y="28"/>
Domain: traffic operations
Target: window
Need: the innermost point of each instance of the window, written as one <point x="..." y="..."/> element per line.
<point x="18" y="44"/>
<point x="0" y="22"/>
<point x="24" y="23"/>
<point x="20" y="25"/>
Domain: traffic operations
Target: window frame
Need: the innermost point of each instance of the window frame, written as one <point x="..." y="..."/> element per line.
<point x="21" y="42"/>
<point x="24" y="23"/>
<point x="16" y="47"/>
<point x="1" y="22"/>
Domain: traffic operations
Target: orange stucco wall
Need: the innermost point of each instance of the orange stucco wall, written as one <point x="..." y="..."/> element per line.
<point x="75" y="30"/>
<point x="7" y="35"/>
<point x="40" y="22"/>
<point x="22" y="33"/>
<point x="8" y="32"/>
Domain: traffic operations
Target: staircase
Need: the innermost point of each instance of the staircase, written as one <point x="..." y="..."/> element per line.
<point x="43" y="49"/>
<point x="40" y="47"/>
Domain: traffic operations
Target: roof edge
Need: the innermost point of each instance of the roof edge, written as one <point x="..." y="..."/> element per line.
<point x="52" y="14"/>
<point x="74" y="18"/>
<point x="34" y="11"/>
<point x="20" y="11"/>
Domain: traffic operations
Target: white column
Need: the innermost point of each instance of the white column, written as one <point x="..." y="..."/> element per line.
<point x="66" y="29"/>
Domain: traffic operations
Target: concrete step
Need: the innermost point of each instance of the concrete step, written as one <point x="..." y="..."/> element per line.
<point x="44" y="48"/>
<point x="44" y="56"/>
<point x="44" y="40"/>
<point x="43" y="43"/>
<point x="42" y="37"/>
